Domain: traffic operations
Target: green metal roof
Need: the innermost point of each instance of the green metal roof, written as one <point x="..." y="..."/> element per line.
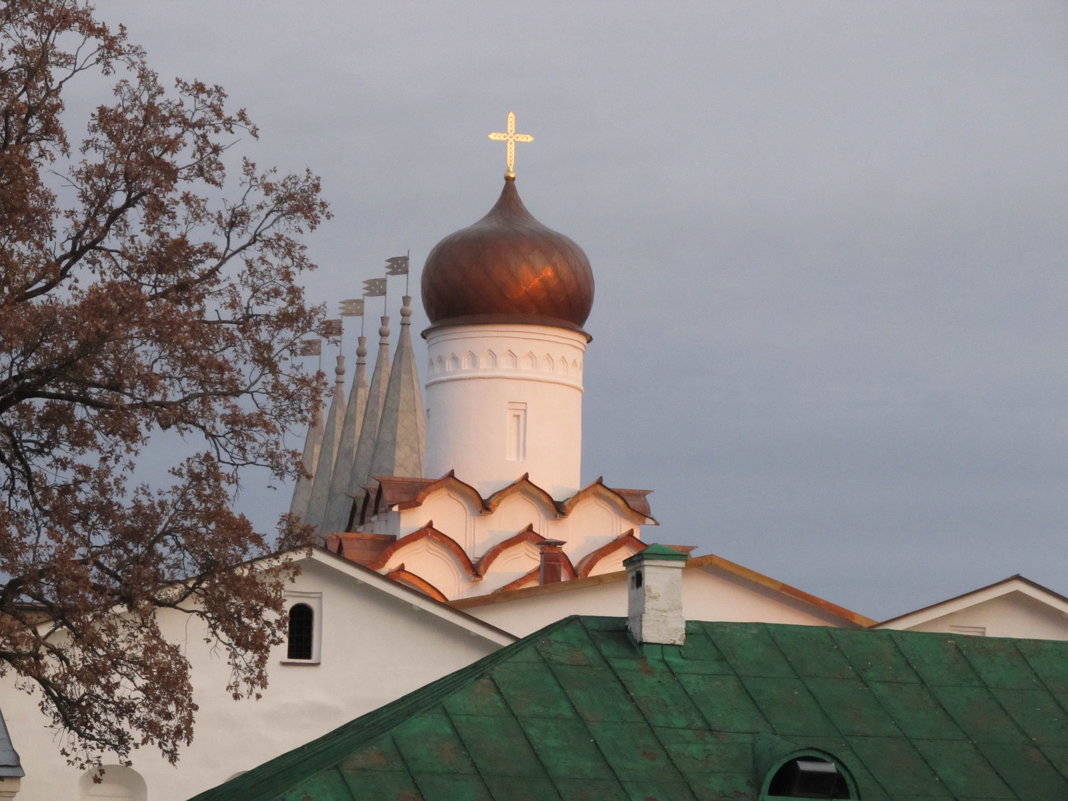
<point x="578" y="711"/>
<point x="657" y="551"/>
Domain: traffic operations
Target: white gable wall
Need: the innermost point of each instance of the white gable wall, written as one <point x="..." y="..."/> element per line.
<point x="514" y="514"/>
<point x="375" y="647"/>
<point x="711" y="593"/>
<point x="593" y="523"/>
<point x="524" y="613"/>
<point x="426" y="558"/>
<point x="707" y="594"/>
<point x="512" y="564"/>
<point x="1013" y="614"/>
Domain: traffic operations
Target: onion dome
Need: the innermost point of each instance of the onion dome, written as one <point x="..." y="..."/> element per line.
<point x="507" y="268"/>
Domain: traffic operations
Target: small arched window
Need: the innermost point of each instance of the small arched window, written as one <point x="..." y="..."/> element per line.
<point x="808" y="776"/>
<point x="112" y="783"/>
<point x="301" y="631"/>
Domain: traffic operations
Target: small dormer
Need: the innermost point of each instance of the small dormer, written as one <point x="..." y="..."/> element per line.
<point x="796" y="774"/>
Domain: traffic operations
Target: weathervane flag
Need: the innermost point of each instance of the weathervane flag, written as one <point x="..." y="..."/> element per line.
<point x="397" y="265"/>
<point x="310" y="347"/>
<point x="351" y="307"/>
<point x="331" y="328"/>
<point x="374" y="287"/>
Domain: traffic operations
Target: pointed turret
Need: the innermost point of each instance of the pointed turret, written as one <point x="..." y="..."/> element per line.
<point x="302" y="493"/>
<point x="365" y="447"/>
<point x="339" y="503"/>
<point x="324" y="466"/>
<point x="400" y="444"/>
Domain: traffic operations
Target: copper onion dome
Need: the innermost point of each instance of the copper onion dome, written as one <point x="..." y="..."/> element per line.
<point x="507" y="268"/>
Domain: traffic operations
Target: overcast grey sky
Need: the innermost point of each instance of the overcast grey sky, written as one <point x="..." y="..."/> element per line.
<point x="829" y="242"/>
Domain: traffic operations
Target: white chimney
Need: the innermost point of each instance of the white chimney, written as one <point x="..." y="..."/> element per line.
<point x="654" y="596"/>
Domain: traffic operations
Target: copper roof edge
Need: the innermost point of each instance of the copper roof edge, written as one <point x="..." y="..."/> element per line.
<point x="695" y="562"/>
<point x="427" y="531"/>
<point x="506" y="319"/>
<point x="541" y="589"/>
<point x="489" y="504"/>
<point x="375" y="575"/>
<point x="782" y="587"/>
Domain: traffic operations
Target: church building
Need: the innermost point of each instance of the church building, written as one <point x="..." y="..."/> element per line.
<point x="657" y="707"/>
<point x="453" y="522"/>
<point x="472" y="494"/>
<point x="482" y="492"/>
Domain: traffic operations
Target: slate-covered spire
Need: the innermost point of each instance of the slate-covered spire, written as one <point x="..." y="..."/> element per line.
<point x="339" y="503"/>
<point x="401" y="441"/>
<point x="324" y="465"/>
<point x="302" y="493"/>
<point x="365" y="447"/>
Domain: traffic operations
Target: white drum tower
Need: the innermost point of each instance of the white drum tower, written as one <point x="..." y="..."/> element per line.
<point x="506" y="298"/>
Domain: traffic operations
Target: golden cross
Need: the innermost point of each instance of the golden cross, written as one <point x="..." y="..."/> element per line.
<point x="511" y="137"/>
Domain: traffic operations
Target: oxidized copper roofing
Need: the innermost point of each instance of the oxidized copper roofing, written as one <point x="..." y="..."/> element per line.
<point x="359" y="547"/>
<point x="509" y="268"/>
<point x="397" y="490"/>
<point x="578" y="710"/>
<point x="416" y="582"/>
<point x="409" y="493"/>
<point x="637" y="499"/>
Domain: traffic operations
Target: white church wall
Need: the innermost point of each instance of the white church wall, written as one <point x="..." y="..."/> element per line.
<point x="706" y="595"/>
<point x="1011" y="615"/>
<point x="526" y="611"/>
<point x="709" y="593"/>
<point x="514" y="514"/>
<point x="512" y="564"/>
<point x="592" y="523"/>
<point x="611" y="563"/>
<point x="515" y="409"/>
<point x="432" y="562"/>
<point x="113" y="783"/>
<point x="451" y="512"/>
<point x="355" y="674"/>
<point x="390" y="524"/>
<point x="1013" y="607"/>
